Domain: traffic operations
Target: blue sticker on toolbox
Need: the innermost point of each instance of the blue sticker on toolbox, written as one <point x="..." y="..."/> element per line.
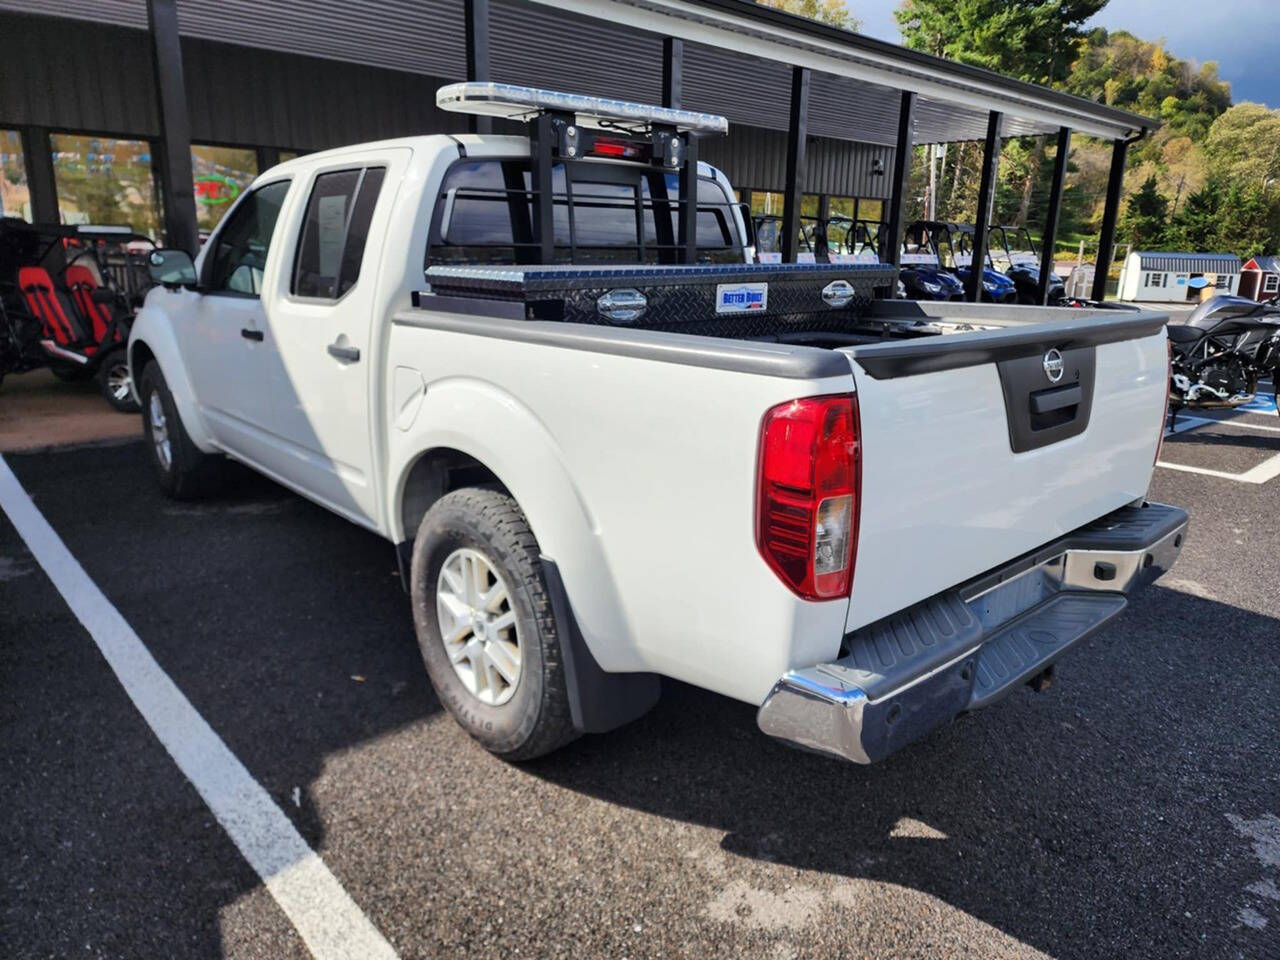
<point x="741" y="297"/>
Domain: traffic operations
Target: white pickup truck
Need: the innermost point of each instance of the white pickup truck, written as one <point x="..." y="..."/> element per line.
<point x="609" y="448"/>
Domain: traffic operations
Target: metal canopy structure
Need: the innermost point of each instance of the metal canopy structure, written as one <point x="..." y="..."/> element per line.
<point x="737" y="58"/>
<point x="760" y="67"/>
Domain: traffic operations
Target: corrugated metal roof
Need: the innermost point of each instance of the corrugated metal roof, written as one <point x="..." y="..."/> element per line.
<point x="1266" y="264"/>
<point x="1188" y="262"/>
<point x="613" y="47"/>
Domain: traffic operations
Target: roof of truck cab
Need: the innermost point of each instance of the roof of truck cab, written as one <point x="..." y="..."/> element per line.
<point x="469" y="142"/>
<point x="432" y="142"/>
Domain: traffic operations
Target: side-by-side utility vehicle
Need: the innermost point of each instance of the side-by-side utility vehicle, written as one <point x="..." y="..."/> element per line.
<point x="609" y="448"/>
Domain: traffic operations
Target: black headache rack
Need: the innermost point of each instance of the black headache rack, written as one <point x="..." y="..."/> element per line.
<point x="569" y="130"/>
<point x="738" y="300"/>
<point x="570" y="136"/>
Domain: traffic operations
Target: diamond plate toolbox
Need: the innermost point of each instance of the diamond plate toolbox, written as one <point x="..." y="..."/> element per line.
<point x="712" y="299"/>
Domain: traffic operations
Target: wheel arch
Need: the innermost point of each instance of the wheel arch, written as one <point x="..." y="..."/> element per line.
<point x="469" y="432"/>
<point x="152" y="341"/>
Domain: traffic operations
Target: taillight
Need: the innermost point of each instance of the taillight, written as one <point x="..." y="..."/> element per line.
<point x="1164" y="411"/>
<point x="808" y="491"/>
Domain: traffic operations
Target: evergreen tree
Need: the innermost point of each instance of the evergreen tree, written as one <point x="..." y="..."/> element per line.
<point x="1146" y="218"/>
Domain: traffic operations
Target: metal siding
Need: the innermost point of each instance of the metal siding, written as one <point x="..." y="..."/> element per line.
<point x="245" y="96"/>
<point x="68" y="74"/>
<point x="756" y="159"/>
<point x="534" y="46"/>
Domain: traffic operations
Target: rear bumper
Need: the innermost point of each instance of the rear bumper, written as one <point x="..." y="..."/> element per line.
<point x="902" y="677"/>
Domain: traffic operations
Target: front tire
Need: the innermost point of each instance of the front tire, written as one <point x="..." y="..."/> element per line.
<point x="485" y="626"/>
<point x="183" y="470"/>
<point x="116" y="383"/>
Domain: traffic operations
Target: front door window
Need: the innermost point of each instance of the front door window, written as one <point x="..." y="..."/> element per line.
<point x="239" y="255"/>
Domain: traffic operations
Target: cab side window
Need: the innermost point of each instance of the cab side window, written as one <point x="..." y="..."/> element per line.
<point x="239" y="254"/>
<point x="334" y="232"/>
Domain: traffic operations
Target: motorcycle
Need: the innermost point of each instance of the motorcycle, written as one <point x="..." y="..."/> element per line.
<point x="1218" y="356"/>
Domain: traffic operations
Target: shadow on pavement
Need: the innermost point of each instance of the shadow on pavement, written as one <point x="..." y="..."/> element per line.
<point x="1089" y="821"/>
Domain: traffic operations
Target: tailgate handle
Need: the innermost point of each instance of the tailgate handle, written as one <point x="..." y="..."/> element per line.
<point x="1047" y="401"/>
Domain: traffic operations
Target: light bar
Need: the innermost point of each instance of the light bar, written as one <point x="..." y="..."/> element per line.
<point x="520" y="103"/>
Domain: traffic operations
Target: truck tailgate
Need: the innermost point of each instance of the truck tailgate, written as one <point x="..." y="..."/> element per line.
<point x="974" y="455"/>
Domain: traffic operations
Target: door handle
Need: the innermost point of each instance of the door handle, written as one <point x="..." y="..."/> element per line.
<point x="1047" y="401"/>
<point x="251" y="334"/>
<point x="350" y="354"/>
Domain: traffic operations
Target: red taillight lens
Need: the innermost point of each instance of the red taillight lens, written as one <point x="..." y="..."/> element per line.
<point x="1164" y="411"/>
<point x="809" y="486"/>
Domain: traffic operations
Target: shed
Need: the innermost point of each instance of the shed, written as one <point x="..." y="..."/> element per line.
<point x="1171" y="277"/>
<point x="1260" y="278"/>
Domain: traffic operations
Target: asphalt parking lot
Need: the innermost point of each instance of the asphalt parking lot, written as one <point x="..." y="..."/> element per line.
<point x="1133" y="810"/>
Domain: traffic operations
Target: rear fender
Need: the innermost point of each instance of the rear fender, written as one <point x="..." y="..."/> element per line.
<point x="152" y="332"/>
<point x="487" y="423"/>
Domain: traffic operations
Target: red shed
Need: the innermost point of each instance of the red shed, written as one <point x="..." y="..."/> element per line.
<point x="1260" y="278"/>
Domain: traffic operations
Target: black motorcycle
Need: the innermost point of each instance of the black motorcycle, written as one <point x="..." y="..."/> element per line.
<point x="1218" y="356"/>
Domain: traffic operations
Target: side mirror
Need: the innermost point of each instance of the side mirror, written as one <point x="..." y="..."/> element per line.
<point x="172" y="268"/>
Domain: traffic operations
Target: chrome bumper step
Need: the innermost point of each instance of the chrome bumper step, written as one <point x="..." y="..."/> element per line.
<point x="965" y="648"/>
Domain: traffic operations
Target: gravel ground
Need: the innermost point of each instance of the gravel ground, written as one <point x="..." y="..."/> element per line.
<point x="1133" y="810"/>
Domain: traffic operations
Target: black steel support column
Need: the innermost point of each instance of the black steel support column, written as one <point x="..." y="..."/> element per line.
<point x="542" y="132"/>
<point x="986" y="194"/>
<point x="176" y="187"/>
<point x="37" y="157"/>
<point x="672" y="72"/>
<point x="1049" y="242"/>
<point x="476" y="13"/>
<point x="797" y="143"/>
<point x="1106" y="241"/>
<point x="687" y="234"/>
<point x="895" y="218"/>
<point x="268" y="157"/>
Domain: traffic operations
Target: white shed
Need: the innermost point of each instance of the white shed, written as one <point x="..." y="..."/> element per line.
<point x="1148" y="276"/>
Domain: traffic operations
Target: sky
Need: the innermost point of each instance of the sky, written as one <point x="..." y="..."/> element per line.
<point x="1243" y="36"/>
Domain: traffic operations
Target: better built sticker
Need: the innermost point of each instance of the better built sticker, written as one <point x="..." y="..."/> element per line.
<point x="741" y="297"/>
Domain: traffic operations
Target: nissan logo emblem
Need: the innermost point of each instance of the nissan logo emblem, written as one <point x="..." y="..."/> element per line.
<point x="1053" y="366"/>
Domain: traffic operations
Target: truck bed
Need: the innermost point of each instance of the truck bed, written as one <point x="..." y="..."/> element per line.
<point x="971" y="454"/>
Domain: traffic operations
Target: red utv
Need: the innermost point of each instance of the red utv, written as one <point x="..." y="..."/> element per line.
<point x="67" y="296"/>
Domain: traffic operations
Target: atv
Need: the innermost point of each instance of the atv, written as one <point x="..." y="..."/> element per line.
<point x="1013" y="253"/>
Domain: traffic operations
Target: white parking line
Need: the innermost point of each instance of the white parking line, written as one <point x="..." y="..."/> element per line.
<point x="1268" y="469"/>
<point x="325" y="916"/>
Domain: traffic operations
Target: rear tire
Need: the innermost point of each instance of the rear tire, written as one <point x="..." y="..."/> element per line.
<point x="493" y="606"/>
<point x="182" y="470"/>
<point x="116" y="383"/>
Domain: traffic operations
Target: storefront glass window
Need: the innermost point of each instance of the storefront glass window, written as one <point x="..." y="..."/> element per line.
<point x="15" y="200"/>
<point x="221" y="174"/>
<point x="289" y="155"/>
<point x="105" y="181"/>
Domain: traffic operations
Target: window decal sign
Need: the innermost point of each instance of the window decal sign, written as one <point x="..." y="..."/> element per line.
<point x="215" y="190"/>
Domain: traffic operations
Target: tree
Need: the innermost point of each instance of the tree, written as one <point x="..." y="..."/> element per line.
<point x="1244" y="144"/>
<point x="832" y="12"/>
<point x="1123" y="71"/>
<point x="1229" y="216"/>
<point x="1033" y="40"/>
<point x="1146" y="218"/>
